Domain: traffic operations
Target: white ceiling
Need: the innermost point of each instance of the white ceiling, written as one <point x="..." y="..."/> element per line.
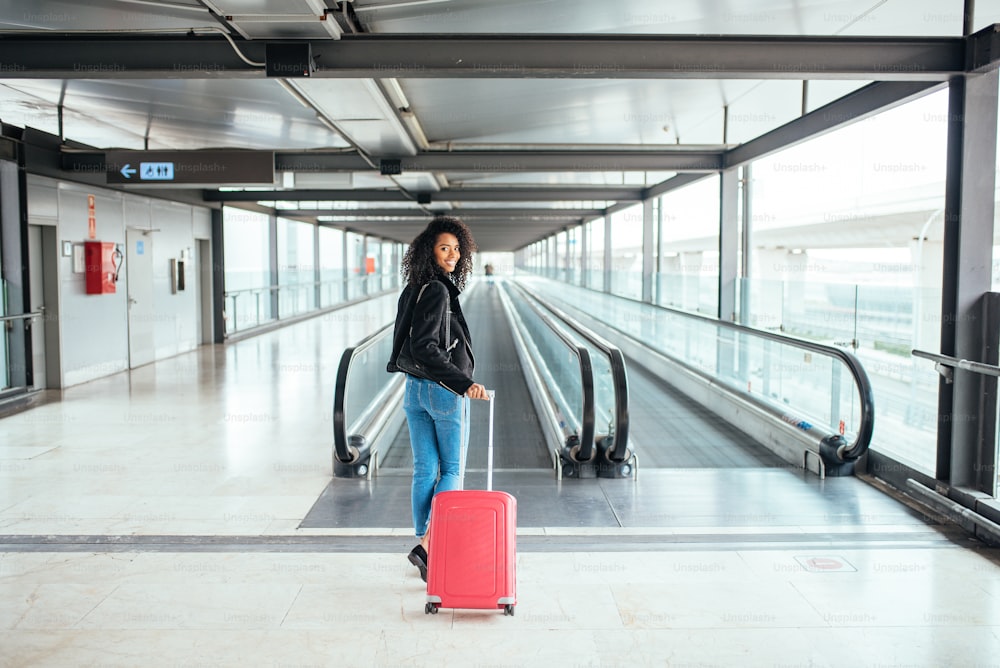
<point x="447" y="113"/>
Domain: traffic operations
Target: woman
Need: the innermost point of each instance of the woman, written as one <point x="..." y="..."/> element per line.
<point x="431" y="344"/>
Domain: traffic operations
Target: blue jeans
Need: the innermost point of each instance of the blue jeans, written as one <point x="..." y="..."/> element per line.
<point x="434" y="417"/>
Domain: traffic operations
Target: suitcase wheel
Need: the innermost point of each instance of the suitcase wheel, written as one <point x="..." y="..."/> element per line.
<point x="431" y="609"/>
<point x="508" y="610"/>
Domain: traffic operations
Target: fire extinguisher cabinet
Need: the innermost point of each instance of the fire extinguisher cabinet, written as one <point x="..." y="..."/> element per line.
<point x="99" y="261"/>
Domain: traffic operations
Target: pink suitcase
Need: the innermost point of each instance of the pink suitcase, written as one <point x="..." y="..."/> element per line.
<point x="473" y="547"/>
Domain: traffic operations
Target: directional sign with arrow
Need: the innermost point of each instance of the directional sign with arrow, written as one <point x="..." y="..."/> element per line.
<point x="212" y="167"/>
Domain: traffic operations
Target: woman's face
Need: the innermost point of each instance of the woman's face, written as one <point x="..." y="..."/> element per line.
<point x="446" y="252"/>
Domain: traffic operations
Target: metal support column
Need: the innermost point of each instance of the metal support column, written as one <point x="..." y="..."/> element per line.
<point x="568" y="258"/>
<point x="363" y="266"/>
<point x="729" y="246"/>
<point x="968" y="258"/>
<point x="218" y="277"/>
<point x="317" y="273"/>
<point x="607" y="254"/>
<point x="585" y="255"/>
<point x="647" y="250"/>
<point x="658" y="258"/>
<point x="728" y="267"/>
<point x="345" y="272"/>
<point x="746" y="242"/>
<point x="272" y="255"/>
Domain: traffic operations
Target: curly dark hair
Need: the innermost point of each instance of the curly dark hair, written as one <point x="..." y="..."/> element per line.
<point x="419" y="265"/>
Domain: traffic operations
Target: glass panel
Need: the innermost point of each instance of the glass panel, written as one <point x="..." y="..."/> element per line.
<point x="847" y="240"/>
<point x="390" y="268"/>
<point x="808" y="386"/>
<point x="626" y="253"/>
<point x="881" y="324"/>
<point x="688" y="278"/>
<point x="573" y="256"/>
<point x="366" y="379"/>
<point x="248" y="289"/>
<point x="331" y="266"/>
<point x="373" y="265"/>
<point x="558" y="363"/>
<point x="604" y="391"/>
<point x="355" y="263"/>
<point x="296" y="275"/>
<point x="595" y="255"/>
<point x="562" y="259"/>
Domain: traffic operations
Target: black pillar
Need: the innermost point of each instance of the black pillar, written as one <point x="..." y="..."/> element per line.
<point x="218" y="278"/>
<point x="968" y="259"/>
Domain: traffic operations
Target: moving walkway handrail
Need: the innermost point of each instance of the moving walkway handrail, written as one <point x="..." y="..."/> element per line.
<point x="866" y="424"/>
<point x="618" y="452"/>
<point x="585" y="446"/>
<point x="833" y="445"/>
<point x="341" y="445"/>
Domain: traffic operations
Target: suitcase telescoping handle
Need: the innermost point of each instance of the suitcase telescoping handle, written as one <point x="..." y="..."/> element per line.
<point x="489" y="448"/>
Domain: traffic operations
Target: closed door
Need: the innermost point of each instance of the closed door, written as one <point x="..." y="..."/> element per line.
<point x="141" y="316"/>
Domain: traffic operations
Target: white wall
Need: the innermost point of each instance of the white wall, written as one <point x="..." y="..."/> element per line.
<point x="93" y="329"/>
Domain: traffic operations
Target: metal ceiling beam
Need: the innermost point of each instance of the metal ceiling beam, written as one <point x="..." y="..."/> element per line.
<point x="465" y="214"/>
<point x="674" y="183"/>
<point x="867" y="101"/>
<point x="500" y="194"/>
<point x="304" y="195"/>
<point x="513" y="161"/>
<point x="100" y="55"/>
<point x="984" y="49"/>
<point x="408" y="223"/>
<point x="489" y="239"/>
<point x="474" y="161"/>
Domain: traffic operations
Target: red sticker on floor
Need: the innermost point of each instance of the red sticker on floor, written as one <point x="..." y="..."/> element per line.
<point x="825" y="564"/>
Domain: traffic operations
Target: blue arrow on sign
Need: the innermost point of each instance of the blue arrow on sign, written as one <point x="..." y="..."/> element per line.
<point x="128" y="171"/>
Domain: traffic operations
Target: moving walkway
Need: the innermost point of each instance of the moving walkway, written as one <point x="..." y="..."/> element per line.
<point x="556" y="379"/>
<point x="809" y="405"/>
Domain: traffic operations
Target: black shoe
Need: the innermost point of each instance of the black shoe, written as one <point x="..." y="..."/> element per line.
<point x="418" y="557"/>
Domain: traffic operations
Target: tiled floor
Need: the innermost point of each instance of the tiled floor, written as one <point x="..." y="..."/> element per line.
<point x="153" y="519"/>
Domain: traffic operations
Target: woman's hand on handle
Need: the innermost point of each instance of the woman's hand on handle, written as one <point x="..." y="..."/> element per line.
<point x="476" y="391"/>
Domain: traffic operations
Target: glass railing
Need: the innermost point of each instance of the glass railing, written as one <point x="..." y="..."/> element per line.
<point x="565" y="375"/>
<point x="366" y="403"/>
<point x="252" y="307"/>
<point x="879" y="324"/>
<point x="612" y="457"/>
<point x="695" y="293"/>
<point x="15" y="329"/>
<point x="627" y="284"/>
<point x="821" y="391"/>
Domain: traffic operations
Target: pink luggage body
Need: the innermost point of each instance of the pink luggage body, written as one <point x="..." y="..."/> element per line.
<point x="473" y="548"/>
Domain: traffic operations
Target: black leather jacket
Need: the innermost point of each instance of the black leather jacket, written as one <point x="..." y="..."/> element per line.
<point x="420" y="332"/>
